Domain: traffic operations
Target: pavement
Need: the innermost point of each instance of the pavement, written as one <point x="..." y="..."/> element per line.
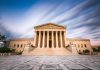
<point x="69" y="62"/>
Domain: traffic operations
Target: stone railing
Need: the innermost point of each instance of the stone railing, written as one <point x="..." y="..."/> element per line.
<point x="5" y="54"/>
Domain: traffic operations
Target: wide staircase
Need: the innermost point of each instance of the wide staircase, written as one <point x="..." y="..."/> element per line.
<point x="47" y="51"/>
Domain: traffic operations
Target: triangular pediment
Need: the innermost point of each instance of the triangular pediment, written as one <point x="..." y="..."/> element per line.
<point x="49" y="26"/>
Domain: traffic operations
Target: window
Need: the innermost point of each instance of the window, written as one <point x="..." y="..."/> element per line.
<point x="85" y="45"/>
<point x="21" y="45"/>
<point x="18" y="46"/>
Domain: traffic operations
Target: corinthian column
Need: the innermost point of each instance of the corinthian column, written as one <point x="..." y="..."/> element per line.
<point x="47" y="39"/>
<point x="61" y="39"/>
<point x="52" y="39"/>
<point x="39" y="39"/>
<point x="65" y="39"/>
<point x="56" y="38"/>
<point x="43" y="40"/>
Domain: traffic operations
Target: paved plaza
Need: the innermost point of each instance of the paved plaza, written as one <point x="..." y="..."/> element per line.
<point x="81" y="62"/>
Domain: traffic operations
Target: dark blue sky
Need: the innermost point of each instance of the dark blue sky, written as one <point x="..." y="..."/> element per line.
<point x="81" y="17"/>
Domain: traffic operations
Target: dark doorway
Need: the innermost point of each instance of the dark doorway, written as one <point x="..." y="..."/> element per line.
<point x="50" y="44"/>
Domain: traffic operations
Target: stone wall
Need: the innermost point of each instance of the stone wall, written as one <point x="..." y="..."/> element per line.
<point x="80" y="44"/>
<point x="20" y="44"/>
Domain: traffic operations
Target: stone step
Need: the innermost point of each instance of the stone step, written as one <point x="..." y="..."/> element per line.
<point x="49" y="51"/>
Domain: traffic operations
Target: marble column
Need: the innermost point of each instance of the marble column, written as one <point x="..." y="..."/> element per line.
<point x="65" y="39"/>
<point x="56" y="38"/>
<point x="61" y="44"/>
<point x="47" y="39"/>
<point x="39" y="39"/>
<point x="52" y="39"/>
<point x="43" y="40"/>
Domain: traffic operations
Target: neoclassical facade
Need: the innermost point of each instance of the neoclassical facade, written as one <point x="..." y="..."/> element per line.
<point x="50" y="36"/>
<point x="50" y="39"/>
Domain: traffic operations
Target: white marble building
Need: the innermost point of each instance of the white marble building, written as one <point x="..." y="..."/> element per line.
<point x="50" y="40"/>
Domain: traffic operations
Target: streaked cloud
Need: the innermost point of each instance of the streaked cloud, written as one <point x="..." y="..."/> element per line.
<point x="81" y="17"/>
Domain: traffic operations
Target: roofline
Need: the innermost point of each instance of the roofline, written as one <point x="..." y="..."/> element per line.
<point x="21" y="39"/>
<point x="77" y="39"/>
<point x="50" y="23"/>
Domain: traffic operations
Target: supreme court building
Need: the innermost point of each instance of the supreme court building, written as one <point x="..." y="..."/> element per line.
<point x="49" y="36"/>
<point x="50" y="39"/>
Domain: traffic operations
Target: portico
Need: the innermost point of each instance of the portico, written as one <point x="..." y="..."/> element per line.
<point x="50" y="36"/>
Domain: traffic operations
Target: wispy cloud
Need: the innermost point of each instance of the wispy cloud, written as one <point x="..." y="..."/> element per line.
<point x="82" y="18"/>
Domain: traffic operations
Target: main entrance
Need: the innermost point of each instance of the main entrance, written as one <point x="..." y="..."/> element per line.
<point x="50" y="40"/>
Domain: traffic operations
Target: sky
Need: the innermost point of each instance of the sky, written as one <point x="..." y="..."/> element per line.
<point x="81" y="17"/>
